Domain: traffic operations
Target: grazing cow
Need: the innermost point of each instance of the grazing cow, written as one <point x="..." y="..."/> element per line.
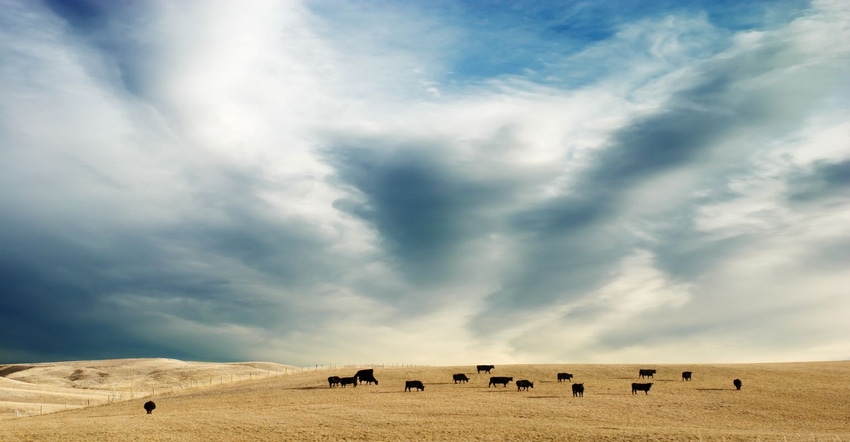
<point x="524" y="384"/>
<point x="460" y="377"/>
<point x="333" y="381"/>
<point x="368" y="380"/>
<point x="499" y="380"/>
<point x="737" y="383"/>
<point x="641" y="387"/>
<point x="365" y="375"/>
<point x="485" y="368"/>
<point x="410" y="385"/>
<point x="564" y="377"/>
<point x="643" y="372"/>
<point x="686" y="375"/>
<point x="578" y="390"/>
<point x="150" y="406"/>
<point x="348" y="381"/>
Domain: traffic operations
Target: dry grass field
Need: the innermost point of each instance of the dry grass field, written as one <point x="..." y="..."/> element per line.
<point x="778" y="402"/>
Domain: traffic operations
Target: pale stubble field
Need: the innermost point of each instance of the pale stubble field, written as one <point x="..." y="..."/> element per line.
<point x="782" y="402"/>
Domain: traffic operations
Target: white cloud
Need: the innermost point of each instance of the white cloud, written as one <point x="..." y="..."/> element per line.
<point x="215" y="166"/>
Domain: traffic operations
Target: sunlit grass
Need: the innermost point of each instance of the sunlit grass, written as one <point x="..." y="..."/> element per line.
<point x="778" y="402"/>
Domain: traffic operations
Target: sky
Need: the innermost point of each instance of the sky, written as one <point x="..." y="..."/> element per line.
<point x="441" y="182"/>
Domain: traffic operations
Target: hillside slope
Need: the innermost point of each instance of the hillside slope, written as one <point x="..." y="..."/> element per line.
<point x="783" y="402"/>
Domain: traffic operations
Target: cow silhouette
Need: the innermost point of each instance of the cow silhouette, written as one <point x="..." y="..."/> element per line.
<point x="410" y="385"/>
<point x="636" y="387"/>
<point x="459" y="377"/>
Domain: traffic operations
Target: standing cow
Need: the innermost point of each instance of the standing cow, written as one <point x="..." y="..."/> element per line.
<point x="564" y="377"/>
<point x="524" y="384"/>
<point x="368" y="380"/>
<point x="646" y="373"/>
<point x="578" y="390"/>
<point x="343" y="382"/>
<point x="333" y="381"/>
<point x="460" y="377"/>
<point x="150" y="406"/>
<point x="366" y="375"/>
<point x="737" y="383"/>
<point x="499" y="380"/>
<point x="641" y="387"/>
<point x="410" y="385"/>
<point x="485" y="368"/>
<point x="686" y="375"/>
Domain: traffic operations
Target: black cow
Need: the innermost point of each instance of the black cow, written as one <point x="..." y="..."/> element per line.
<point x="365" y="375"/>
<point x="578" y="390"/>
<point x="641" y="387"/>
<point x="150" y="406"/>
<point x="737" y="383"/>
<point x="410" y="385"/>
<point x="333" y="381"/>
<point x="368" y="380"/>
<point x="564" y="377"/>
<point x="348" y="381"/>
<point x="643" y="372"/>
<point x="686" y="375"/>
<point x="460" y="377"/>
<point x="485" y="368"/>
<point x="499" y="380"/>
<point x="524" y="384"/>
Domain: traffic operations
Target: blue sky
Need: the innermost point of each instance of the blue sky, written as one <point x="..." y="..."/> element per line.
<point x="439" y="182"/>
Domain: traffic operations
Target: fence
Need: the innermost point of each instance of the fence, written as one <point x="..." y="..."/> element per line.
<point x="104" y="397"/>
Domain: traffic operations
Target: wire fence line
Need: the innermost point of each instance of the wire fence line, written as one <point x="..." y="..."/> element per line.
<point x="97" y="397"/>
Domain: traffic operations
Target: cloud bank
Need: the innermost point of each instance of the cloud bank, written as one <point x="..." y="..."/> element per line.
<point x="325" y="182"/>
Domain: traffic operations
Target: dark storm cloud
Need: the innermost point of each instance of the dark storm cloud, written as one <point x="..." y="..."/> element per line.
<point x="826" y="179"/>
<point x="119" y="281"/>
<point x="424" y="207"/>
<point x="115" y="28"/>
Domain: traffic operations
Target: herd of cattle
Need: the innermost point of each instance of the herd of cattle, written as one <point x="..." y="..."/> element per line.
<point x="368" y="376"/>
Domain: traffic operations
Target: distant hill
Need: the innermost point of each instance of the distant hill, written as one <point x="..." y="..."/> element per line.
<point x="27" y="389"/>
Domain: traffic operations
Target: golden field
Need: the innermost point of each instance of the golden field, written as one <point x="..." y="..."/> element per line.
<point x="808" y="401"/>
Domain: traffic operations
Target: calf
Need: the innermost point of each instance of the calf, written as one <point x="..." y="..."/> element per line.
<point x="485" y="368"/>
<point x="150" y="406"/>
<point x="641" y="387"/>
<point x="578" y="390"/>
<point x="460" y="377"/>
<point x="646" y="373"/>
<point x="410" y="385"/>
<point x="333" y="381"/>
<point x="686" y="375"/>
<point x="348" y="381"/>
<point x="523" y="384"/>
<point x="564" y="377"/>
<point x="737" y="383"/>
<point x="499" y="380"/>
